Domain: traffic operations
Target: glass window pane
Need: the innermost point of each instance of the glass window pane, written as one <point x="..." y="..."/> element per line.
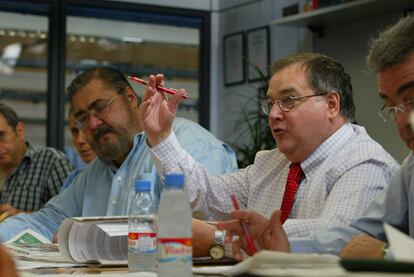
<point x="23" y="70"/>
<point x="137" y="48"/>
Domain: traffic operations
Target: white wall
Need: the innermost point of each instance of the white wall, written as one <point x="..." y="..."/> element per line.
<point x="228" y="101"/>
<point x="345" y="42"/>
<point x="348" y="43"/>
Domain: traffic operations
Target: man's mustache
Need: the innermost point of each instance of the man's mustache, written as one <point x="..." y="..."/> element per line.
<point x="101" y="131"/>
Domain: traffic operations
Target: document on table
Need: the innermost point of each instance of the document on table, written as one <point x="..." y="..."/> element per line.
<point x="35" y="251"/>
<point x="401" y="245"/>
<point x="270" y="263"/>
<point x="127" y="274"/>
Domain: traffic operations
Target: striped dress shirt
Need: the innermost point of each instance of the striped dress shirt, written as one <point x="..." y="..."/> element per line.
<point x="341" y="177"/>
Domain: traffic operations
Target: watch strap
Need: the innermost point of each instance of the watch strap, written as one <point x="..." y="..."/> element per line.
<point x="218" y="237"/>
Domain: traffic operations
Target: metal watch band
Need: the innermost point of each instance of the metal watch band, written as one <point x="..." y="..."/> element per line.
<point x="218" y="238"/>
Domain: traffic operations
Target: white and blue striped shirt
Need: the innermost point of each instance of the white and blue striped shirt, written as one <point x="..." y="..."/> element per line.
<point x="342" y="176"/>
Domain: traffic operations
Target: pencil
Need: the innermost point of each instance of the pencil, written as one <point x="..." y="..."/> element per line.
<point x="250" y="244"/>
<point x="160" y="88"/>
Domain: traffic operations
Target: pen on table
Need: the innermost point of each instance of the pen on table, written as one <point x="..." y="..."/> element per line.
<point x="160" y="88"/>
<point x="4" y="215"/>
<point x="250" y="244"/>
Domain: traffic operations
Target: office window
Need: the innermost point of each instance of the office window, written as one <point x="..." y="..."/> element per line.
<point x="137" y="44"/>
<point x="23" y="69"/>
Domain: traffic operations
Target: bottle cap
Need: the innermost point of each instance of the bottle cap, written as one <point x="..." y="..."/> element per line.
<point x="174" y="180"/>
<point x="142" y="185"/>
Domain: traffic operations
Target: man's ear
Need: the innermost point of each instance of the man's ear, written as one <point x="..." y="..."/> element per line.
<point x="20" y="130"/>
<point x="334" y="104"/>
<point x="132" y="97"/>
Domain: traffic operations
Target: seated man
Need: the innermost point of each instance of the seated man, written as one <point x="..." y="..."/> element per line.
<point x="32" y="174"/>
<point x="106" y="110"/>
<point x="336" y="168"/>
<point x="391" y="56"/>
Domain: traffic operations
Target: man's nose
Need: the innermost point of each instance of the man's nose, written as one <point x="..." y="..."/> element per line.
<point x="93" y="122"/>
<point x="275" y="112"/>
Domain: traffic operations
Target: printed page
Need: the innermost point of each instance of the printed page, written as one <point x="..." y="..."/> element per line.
<point x="401" y="245"/>
<point x="89" y="242"/>
<point x="63" y="237"/>
<point x="46" y="252"/>
<point x="114" y="243"/>
<point x="270" y="263"/>
<point x="28" y="237"/>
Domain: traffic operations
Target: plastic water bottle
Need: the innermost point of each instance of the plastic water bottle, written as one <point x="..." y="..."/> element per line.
<point x="142" y="230"/>
<point x="175" y="251"/>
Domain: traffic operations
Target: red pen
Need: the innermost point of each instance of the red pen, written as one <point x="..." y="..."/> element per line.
<point x="160" y="88"/>
<point x="250" y="244"/>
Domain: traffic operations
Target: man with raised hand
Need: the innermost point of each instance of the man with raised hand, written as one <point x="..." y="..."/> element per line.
<point x="391" y="57"/>
<point x="323" y="173"/>
<point x="106" y="110"/>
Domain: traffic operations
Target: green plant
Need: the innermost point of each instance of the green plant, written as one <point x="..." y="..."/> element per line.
<point x="254" y="124"/>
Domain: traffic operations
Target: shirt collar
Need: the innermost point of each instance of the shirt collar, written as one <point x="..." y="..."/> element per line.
<point x="30" y="151"/>
<point x="327" y="148"/>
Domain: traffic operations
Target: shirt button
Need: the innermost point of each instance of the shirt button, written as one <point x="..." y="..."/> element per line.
<point x="119" y="178"/>
<point x="113" y="202"/>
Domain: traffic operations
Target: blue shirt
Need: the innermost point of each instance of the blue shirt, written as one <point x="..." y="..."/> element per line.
<point x="103" y="189"/>
<point x="394" y="206"/>
<point x="69" y="180"/>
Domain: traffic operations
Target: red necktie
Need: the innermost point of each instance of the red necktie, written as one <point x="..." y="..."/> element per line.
<point x="292" y="185"/>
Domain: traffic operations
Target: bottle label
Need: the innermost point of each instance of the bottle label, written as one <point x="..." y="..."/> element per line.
<point x="142" y="242"/>
<point x="175" y="250"/>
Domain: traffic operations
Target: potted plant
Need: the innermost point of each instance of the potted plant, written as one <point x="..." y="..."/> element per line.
<point x="253" y="124"/>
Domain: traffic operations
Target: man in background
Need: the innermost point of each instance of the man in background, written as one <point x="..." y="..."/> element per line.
<point x="391" y="57"/>
<point x="105" y="107"/>
<point x="32" y="174"/>
<point x="82" y="147"/>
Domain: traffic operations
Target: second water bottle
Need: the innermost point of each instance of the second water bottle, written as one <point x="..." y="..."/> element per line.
<point x="142" y="230"/>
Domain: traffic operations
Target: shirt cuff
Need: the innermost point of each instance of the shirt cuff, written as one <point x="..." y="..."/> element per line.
<point x="302" y="246"/>
<point x="167" y="154"/>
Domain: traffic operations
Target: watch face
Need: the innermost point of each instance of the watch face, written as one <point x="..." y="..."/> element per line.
<point x="217" y="252"/>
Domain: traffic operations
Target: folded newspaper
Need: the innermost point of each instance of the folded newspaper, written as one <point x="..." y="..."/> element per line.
<point x="31" y="246"/>
<point x="101" y="240"/>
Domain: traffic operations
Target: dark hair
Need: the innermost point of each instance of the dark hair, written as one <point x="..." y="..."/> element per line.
<point x="324" y="74"/>
<point x="112" y="77"/>
<point x="392" y="46"/>
<point x="10" y="115"/>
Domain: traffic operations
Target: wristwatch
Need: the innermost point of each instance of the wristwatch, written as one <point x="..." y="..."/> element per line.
<point x="216" y="250"/>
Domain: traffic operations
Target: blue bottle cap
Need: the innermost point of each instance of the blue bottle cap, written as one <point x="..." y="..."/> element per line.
<point x="142" y="185"/>
<point x="174" y="180"/>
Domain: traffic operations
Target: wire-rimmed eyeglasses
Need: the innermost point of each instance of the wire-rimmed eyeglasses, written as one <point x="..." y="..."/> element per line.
<point x="100" y="109"/>
<point x="390" y="113"/>
<point x="286" y="103"/>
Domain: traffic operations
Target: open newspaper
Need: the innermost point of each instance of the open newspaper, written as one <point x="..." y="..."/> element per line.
<point x="94" y="239"/>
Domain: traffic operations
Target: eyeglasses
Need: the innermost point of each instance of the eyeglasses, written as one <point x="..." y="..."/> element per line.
<point x="390" y="113"/>
<point x="286" y="103"/>
<point x="100" y="109"/>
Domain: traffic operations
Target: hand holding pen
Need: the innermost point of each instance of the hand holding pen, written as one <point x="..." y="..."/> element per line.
<point x="159" y="88"/>
<point x="268" y="233"/>
<point x="251" y="248"/>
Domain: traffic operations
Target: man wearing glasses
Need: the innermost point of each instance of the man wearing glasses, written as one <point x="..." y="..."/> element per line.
<point x="105" y="107"/>
<point x="324" y="171"/>
<point x="391" y="56"/>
